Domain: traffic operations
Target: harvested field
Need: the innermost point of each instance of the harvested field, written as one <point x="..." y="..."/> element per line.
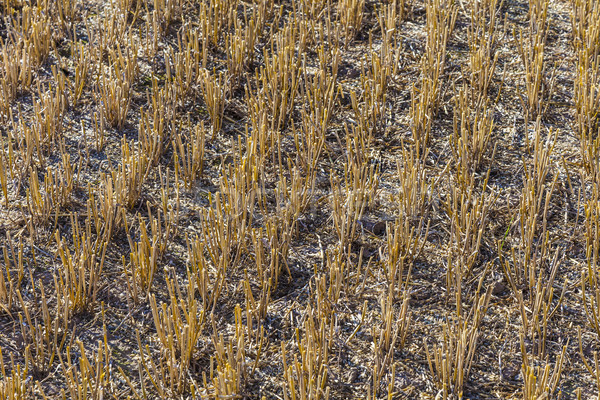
<point x="299" y="199"/>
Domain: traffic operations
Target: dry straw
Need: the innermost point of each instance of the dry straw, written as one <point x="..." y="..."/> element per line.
<point x="230" y="199"/>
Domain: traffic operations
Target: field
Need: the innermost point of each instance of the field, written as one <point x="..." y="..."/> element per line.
<point x="299" y="199"/>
